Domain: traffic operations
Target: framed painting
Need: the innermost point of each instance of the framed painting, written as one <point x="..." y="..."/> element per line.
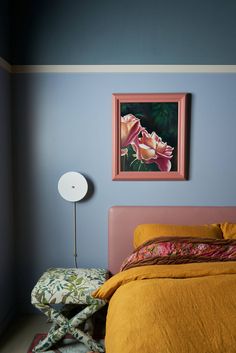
<point x="149" y="136"/>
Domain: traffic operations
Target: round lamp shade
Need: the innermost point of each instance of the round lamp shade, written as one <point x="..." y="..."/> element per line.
<point x="72" y="186"/>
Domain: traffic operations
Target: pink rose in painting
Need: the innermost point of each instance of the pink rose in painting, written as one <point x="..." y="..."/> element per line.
<point x="123" y="151"/>
<point x="130" y="128"/>
<point x="151" y="149"/>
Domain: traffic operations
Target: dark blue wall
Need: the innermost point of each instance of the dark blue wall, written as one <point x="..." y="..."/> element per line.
<point x="5" y="29"/>
<point x="7" y="274"/>
<point x="124" y="32"/>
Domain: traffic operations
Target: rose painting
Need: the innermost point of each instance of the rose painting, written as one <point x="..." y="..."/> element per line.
<point x="149" y="136"/>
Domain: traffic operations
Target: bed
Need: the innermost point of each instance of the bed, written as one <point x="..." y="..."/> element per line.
<point x="170" y="307"/>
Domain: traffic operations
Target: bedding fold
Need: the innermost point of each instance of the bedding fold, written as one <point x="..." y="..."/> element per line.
<point x="180" y="271"/>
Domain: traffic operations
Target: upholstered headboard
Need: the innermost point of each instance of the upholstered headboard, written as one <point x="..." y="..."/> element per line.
<point x="124" y="219"/>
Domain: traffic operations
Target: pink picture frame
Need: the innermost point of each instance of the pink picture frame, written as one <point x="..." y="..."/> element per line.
<point x="149" y="136"/>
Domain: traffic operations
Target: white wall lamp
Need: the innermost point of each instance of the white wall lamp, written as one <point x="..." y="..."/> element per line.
<point x="73" y="187"/>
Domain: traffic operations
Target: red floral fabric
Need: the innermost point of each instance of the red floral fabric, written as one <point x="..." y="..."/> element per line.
<point x="176" y="250"/>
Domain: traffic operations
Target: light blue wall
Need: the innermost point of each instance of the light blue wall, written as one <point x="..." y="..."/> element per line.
<point x="63" y="123"/>
<point x="124" y="32"/>
<point x="6" y="236"/>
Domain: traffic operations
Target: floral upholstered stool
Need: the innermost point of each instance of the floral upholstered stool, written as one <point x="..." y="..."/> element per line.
<point x="60" y="289"/>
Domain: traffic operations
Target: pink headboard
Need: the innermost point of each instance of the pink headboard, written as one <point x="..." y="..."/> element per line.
<point x="124" y="219"/>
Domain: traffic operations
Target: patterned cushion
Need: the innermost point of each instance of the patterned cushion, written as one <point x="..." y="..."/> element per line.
<point x="68" y="286"/>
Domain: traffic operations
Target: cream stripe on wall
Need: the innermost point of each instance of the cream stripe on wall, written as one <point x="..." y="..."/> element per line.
<point x="117" y="68"/>
<point x="124" y="69"/>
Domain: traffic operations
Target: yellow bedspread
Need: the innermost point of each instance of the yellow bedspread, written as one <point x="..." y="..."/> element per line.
<point x="189" y="308"/>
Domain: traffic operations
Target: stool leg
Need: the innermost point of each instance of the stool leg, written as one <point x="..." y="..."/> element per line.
<point x="51" y="339"/>
<point x="53" y="328"/>
<point x="58" y="329"/>
<point x="57" y="335"/>
<point x="51" y="313"/>
<point x="62" y="325"/>
<point x="87" y="340"/>
<point x="86" y="313"/>
<point x="80" y="318"/>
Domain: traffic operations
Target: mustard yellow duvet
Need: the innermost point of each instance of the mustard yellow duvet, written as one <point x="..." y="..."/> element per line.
<point x="184" y="308"/>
